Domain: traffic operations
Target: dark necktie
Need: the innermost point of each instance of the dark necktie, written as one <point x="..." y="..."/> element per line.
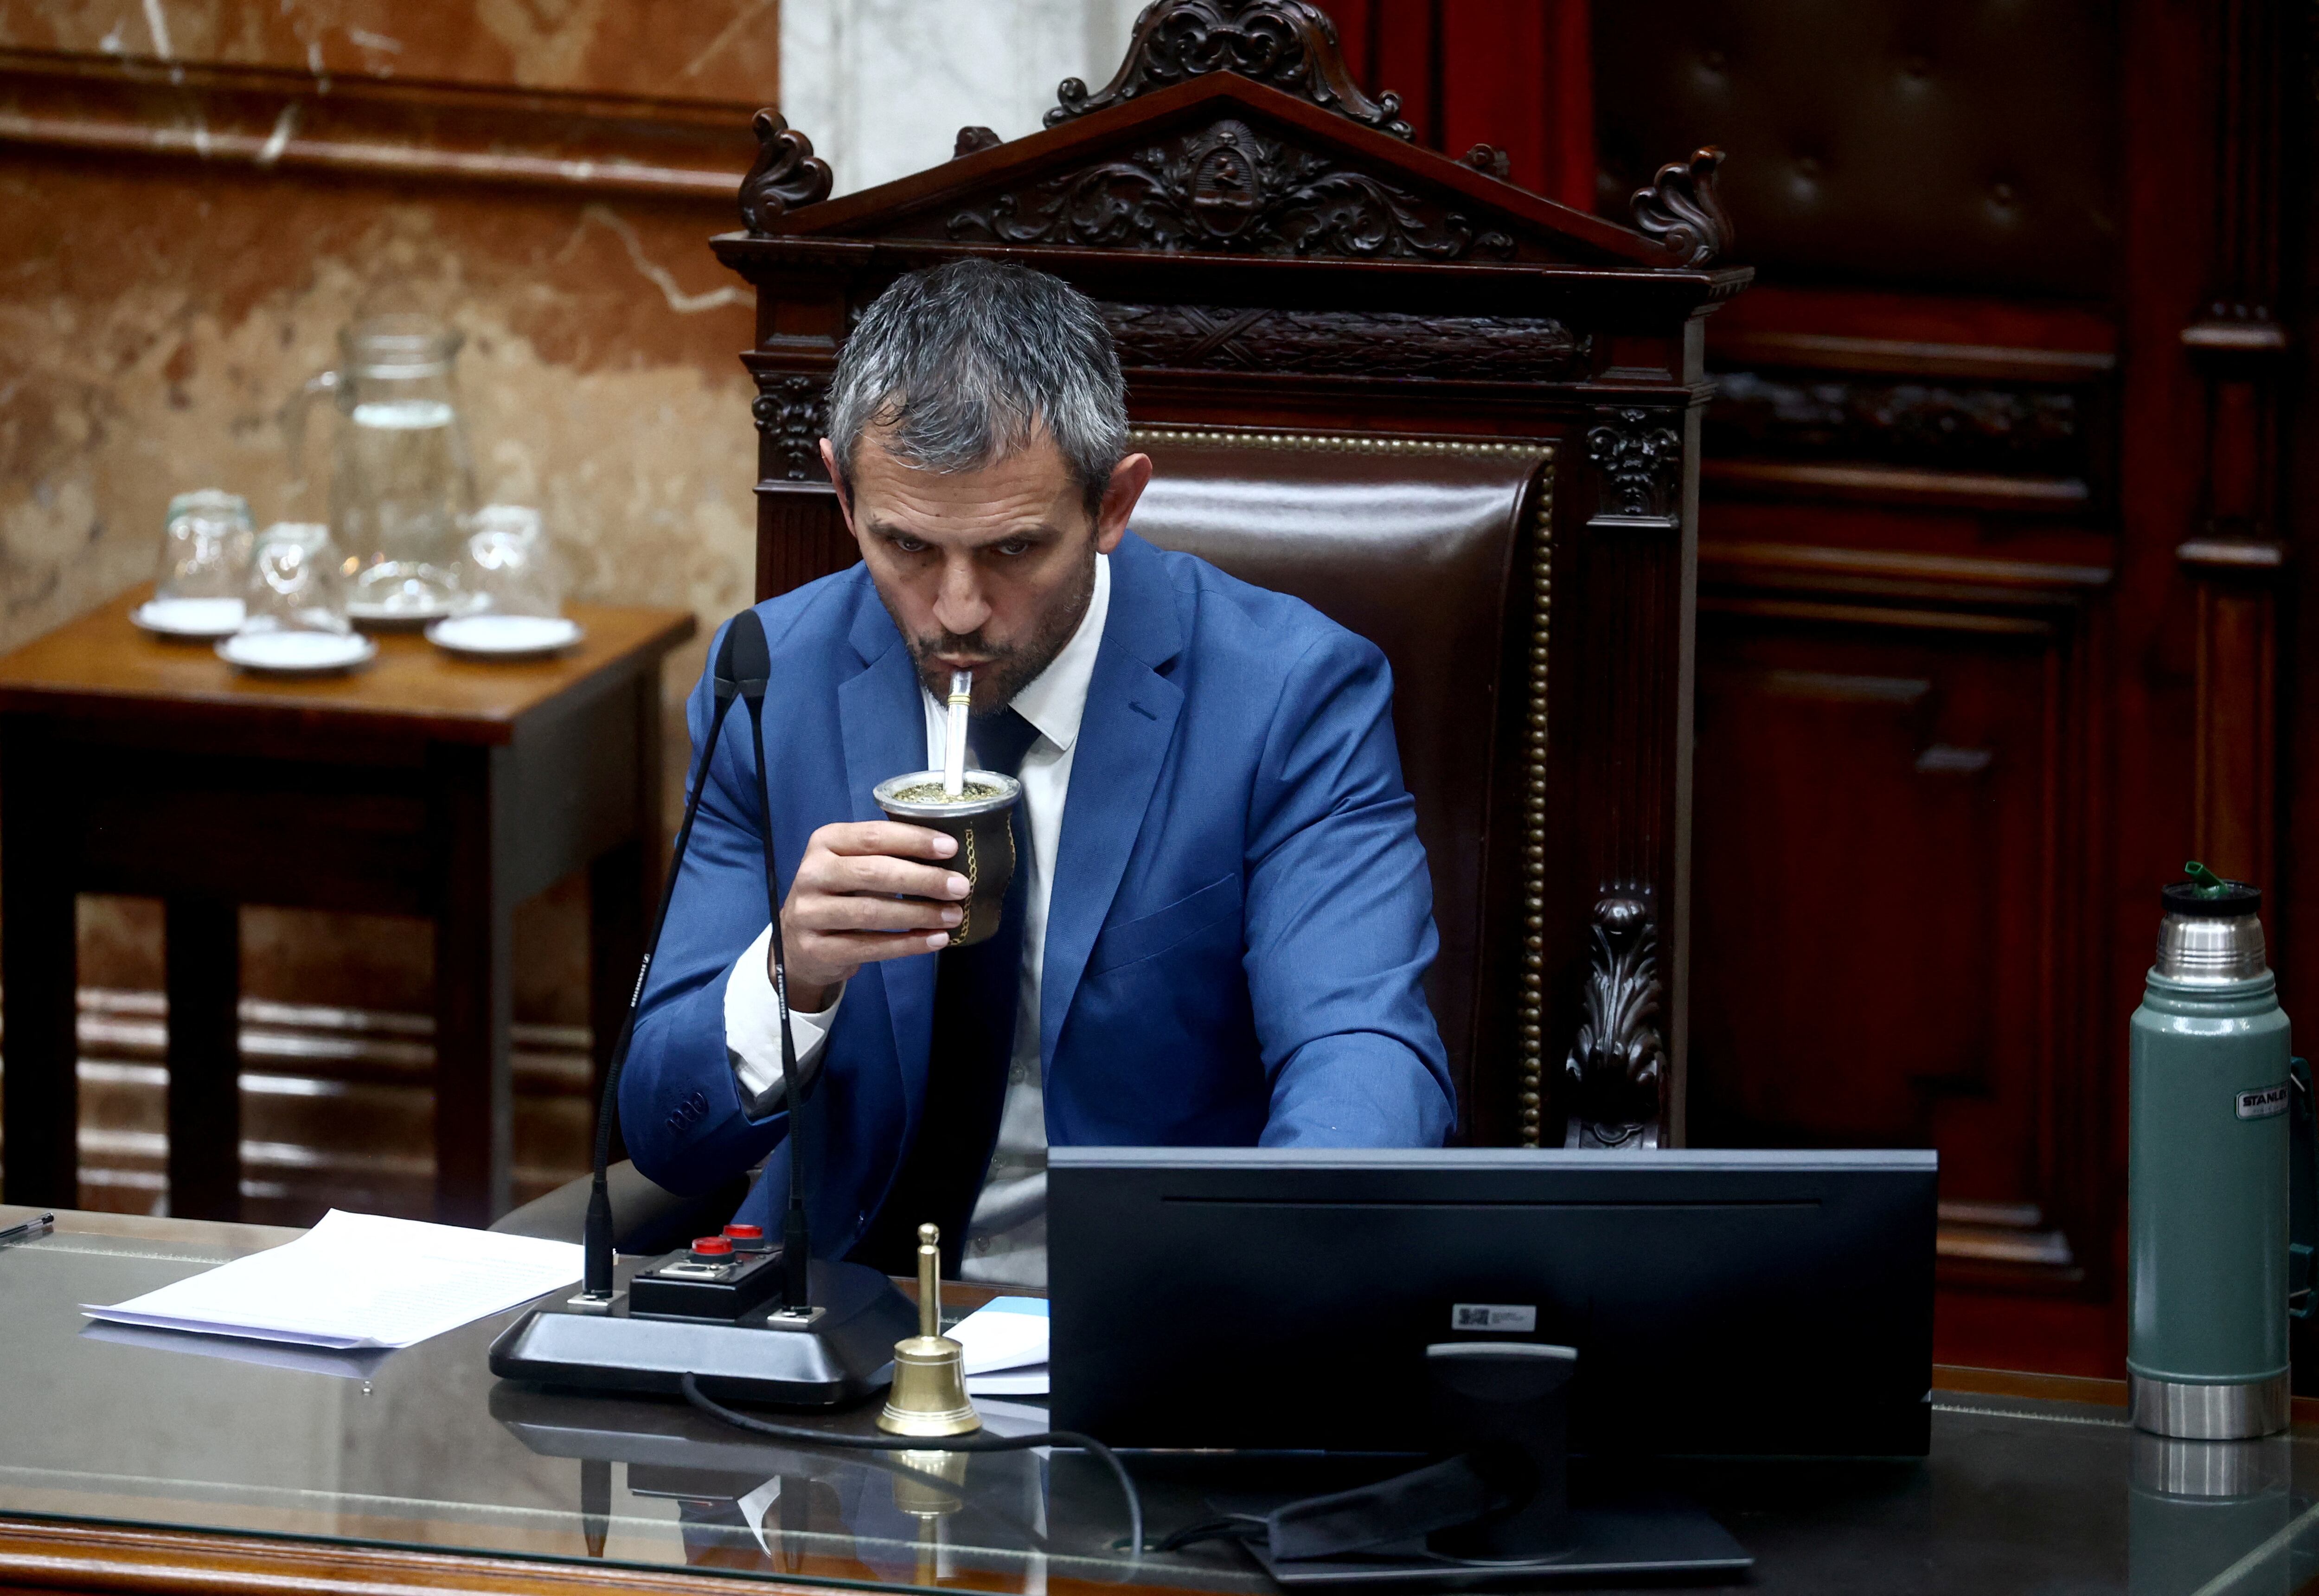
<point x="976" y="993"/>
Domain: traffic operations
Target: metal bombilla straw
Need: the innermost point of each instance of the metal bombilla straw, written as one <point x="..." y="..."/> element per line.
<point x="962" y="696"/>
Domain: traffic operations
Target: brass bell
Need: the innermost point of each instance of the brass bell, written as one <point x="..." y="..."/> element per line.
<point x="928" y="1396"/>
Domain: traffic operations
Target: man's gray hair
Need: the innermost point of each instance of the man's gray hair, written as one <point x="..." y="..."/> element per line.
<point x="962" y="364"/>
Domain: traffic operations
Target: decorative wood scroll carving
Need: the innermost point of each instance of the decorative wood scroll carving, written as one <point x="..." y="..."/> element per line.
<point x="792" y="414"/>
<point x="1617" y="1068"/>
<point x="973" y="140"/>
<point x="1288" y="44"/>
<point x="1931" y="424"/>
<point x="1348" y="343"/>
<point x="787" y="174"/>
<point x="1683" y="211"/>
<point x="1228" y="188"/>
<point x="1640" y="457"/>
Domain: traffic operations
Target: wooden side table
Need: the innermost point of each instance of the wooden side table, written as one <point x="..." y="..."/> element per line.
<point x="421" y="784"/>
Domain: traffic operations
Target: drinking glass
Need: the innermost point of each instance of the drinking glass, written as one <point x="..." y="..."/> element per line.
<point x="297" y="584"/>
<point x="511" y="567"/>
<point x="205" y="552"/>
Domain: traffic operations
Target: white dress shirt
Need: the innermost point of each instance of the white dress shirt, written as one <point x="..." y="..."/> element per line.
<point x="1006" y="1239"/>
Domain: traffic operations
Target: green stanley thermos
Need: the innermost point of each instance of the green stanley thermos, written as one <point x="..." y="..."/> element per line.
<point x="2219" y="1172"/>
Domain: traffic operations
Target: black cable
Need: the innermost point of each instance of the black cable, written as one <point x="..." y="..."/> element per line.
<point x="956" y="1443"/>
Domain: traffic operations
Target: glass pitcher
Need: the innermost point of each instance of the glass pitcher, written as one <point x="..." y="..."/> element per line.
<point x="401" y="479"/>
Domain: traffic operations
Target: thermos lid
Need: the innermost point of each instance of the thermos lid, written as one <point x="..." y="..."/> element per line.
<point x="2208" y="896"/>
<point x="2211" y="933"/>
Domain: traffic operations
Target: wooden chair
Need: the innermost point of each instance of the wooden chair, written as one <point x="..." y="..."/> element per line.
<point x="1457" y="418"/>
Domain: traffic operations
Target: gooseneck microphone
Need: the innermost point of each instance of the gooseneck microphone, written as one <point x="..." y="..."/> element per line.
<point x="596" y="1234"/>
<point x="720" y="1318"/>
<point x="752" y="664"/>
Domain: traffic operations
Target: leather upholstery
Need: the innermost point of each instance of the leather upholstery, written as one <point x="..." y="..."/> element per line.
<point x="1417" y="553"/>
<point x="1950" y="143"/>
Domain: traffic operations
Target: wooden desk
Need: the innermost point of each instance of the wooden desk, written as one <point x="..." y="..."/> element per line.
<point x="421" y="784"/>
<point x="148" y="1464"/>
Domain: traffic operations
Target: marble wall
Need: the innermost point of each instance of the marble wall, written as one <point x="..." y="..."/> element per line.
<point x="597" y="376"/>
<point x="200" y="195"/>
<point x="704" y="50"/>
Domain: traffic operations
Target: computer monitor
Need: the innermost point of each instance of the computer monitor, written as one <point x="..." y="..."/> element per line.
<point x="1722" y="1302"/>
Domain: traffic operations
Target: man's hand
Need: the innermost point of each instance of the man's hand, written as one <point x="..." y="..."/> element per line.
<point x="851" y="904"/>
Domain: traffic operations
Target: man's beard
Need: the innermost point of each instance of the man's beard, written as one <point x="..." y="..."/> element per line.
<point x="1002" y="671"/>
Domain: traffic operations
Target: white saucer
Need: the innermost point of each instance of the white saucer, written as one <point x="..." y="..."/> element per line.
<point x="397" y="616"/>
<point x="504" y="636"/>
<point x="296" y="653"/>
<point x="190" y="618"/>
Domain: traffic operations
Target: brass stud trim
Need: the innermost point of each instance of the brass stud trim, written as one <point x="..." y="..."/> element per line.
<point x="1532" y="1033"/>
<point x="1344" y="443"/>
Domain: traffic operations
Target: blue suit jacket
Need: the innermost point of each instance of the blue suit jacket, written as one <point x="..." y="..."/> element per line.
<point x="1239" y="922"/>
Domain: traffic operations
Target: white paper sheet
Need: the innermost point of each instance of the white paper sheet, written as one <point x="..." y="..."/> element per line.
<point x="358" y="1280"/>
<point x="1030" y="1382"/>
<point x="344" y="1363"/>
<point x="1006" y="1342"/>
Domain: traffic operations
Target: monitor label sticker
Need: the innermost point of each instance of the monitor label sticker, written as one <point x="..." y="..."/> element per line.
<point x="2262" y="1105"/>
<point x="1492" y="1316"/>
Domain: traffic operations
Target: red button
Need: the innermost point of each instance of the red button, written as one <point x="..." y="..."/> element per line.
<point x="745" y="1232"/>
<point x="712" y="1247"/>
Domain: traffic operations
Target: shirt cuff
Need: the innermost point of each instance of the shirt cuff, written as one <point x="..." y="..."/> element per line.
<point x="753" y="1031"/>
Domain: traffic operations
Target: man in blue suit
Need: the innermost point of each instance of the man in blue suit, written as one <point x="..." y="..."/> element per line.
<point x="1221" y="920"/>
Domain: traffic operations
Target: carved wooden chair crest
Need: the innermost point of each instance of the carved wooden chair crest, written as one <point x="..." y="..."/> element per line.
<point x="1458" y="418"/>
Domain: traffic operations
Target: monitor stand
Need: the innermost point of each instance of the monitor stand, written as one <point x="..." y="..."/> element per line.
<point x="1497" y="1506"/>
<point x="1643" y="1537"/>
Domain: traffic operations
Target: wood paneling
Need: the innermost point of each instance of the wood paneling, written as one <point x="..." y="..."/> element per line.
<point x="1879" y="921"/>
<point x="335" y="1107"/>
<point x="1896" y="712"/>
<point x="1989" y="563"/>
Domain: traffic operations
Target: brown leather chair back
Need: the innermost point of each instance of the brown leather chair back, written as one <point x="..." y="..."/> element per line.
<point x="1419" y="548"/>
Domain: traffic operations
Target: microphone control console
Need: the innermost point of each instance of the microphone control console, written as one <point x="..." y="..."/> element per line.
<point x="713" y="1279"/>
<point x="839" y="1350"/>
